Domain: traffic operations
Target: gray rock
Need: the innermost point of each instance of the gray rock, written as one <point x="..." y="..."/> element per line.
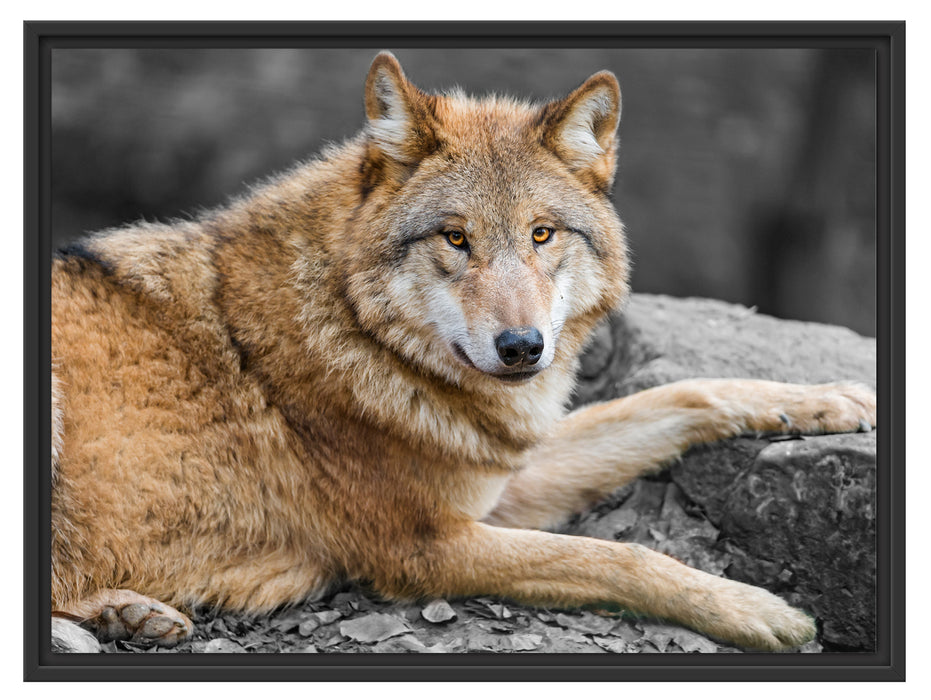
<point x="803" y="512"/>
<point x="797" y="516"/>
<point x="68" y="638"/>
<point x="659" y="339"/>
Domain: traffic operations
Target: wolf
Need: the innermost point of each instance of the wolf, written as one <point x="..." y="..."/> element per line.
<point x="360" y="370"/>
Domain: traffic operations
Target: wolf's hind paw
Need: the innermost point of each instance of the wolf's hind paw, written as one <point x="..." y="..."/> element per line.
<point x="129" y="616"/>
<point x="142" y="624"/>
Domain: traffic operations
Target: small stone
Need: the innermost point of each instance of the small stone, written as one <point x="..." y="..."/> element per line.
<point x="409" y="644"/>
<point x="327" y="617"/>
<point x="307" y="627"/>
<point x="375" y="627"/>
<point x="692" y="642"/>
<point x="438" y="611"/>
<point x="500" y="610"/>
<point x="525" y="642"/>
<point x="614" y="645"/>
<point x="223" y="646"/>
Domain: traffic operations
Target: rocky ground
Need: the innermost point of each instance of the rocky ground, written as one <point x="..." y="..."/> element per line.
<point x="794" y="515"/>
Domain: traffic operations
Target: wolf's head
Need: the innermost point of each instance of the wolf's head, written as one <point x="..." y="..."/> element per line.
<point x="490" y="245"/>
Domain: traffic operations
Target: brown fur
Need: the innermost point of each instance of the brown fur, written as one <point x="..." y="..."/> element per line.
<point x="298" y="388"/>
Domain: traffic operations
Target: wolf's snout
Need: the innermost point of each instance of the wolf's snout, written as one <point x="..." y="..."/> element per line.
<point x="516" y="345"/>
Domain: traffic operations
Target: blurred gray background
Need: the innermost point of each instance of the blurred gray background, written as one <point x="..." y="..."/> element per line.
<point x="745" y="174"/>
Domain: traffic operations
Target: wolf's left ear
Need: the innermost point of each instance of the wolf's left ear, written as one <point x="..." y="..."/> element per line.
<point x="582" y="129"/>
<point x="400" y="116"/>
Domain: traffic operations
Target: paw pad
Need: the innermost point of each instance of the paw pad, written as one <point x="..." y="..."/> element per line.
<point x="141" y="623"/>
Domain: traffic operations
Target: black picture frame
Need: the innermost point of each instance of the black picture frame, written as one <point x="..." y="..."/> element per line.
<point x="887" y="39"/>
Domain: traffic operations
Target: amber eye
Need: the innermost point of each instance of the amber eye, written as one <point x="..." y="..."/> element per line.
<point x="456" y="238"/>
<point x="542" y="234"/>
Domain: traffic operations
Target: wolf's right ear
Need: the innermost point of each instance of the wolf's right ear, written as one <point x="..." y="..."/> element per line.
<point x="400" y="117"/>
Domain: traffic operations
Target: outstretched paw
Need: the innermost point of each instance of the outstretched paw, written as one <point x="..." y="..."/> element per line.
<point x="754" y="618"/>
<point x="824" y="408"/>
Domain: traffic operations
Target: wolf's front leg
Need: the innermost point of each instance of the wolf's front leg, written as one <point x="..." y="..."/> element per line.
<point x="599" y="448"/>
<point x="540" y="568"/>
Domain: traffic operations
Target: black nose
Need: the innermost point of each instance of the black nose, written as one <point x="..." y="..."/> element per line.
<point x="523" y="344"/>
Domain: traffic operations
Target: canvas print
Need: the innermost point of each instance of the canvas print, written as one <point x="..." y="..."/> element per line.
<point x="463" y="351"/>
